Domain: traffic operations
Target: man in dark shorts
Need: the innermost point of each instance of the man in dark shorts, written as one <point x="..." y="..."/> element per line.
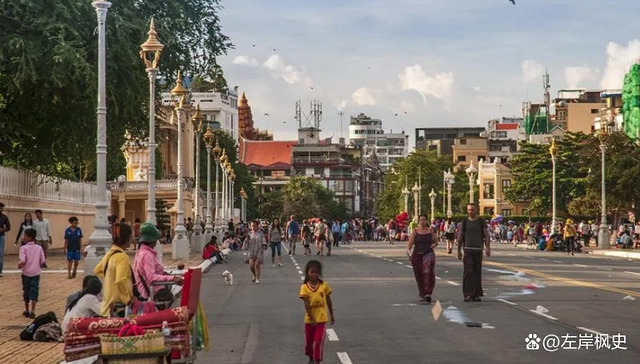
<point x="72" y="245"/>
<point x="473" y="235"/>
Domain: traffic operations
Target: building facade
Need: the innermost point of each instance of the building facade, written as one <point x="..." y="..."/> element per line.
<point x="469" y="150"/>
<point x="575" y="110"/>
<point x="368" y="134"/>
<point x="441" y="140"/>
<point x="246" y="126"/>
<point x="494" y="179"/>
<point x="610" y="117"/>
<point x="269" y="162"/>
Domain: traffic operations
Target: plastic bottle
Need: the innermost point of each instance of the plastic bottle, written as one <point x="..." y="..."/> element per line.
<point x="166" y="331"/>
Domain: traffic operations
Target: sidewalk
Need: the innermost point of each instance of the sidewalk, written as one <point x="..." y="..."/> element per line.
<point x="54" y="289"/>
<point x="620" y="253"/>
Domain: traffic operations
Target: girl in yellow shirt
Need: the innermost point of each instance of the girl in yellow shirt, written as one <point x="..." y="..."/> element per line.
<point x="316" y="295"/>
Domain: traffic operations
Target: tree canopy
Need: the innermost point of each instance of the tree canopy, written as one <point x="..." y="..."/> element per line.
<point x="48" y="75"/>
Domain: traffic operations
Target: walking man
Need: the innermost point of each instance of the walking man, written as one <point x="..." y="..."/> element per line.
<point x="473" y="236"/>
<point x="292" y="231"/>
<point x="43" y="233"/>
<point x="5" y="226"/>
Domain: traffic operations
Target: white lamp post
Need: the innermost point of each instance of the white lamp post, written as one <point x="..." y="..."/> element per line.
<point x="603" y="232"/>
<point x="553" y="150"/>
<point x="405" y="193"/>
<point x="208" y="140"/>
<point x="416" y="192"/>
<point x="472" y="172"/>
<point x="232" y="207"/>
<point x="100" y="239"/>
<point x="197" y="243"/>
<point x="432" y="197"/>
<point x="449" y="179"/>
<point x="180" y="243"/>
<point x="217" y="154"/>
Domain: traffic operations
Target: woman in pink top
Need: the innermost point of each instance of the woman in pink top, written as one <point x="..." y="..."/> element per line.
<point x="147" y="267"/>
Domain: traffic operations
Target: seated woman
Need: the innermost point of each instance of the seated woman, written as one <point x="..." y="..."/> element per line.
<point x="86" y="304"/>
<point x="211" y="250"/>
<point x="148" y="269"/>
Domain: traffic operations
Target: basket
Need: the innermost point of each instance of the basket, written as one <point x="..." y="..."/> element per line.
<point x="150" y="342"/>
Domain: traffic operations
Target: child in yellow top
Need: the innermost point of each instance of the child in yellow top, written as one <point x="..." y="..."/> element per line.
<point x="316" y="295"/>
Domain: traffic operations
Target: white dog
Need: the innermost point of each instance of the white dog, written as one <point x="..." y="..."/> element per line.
<point x="228" y="278"/>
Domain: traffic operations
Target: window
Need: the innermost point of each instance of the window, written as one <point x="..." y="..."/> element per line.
<point x="462" y="158"/>
<point x="318" y="170"/>
<point x="463" y="141"/>
<point x="506" y="212"/>
<point x="506" y="183"/>
<point x="595" y="111"/>
<point x="488" y="191"/>
<point x="562" y="114"/>
<point x="501" y="134"/>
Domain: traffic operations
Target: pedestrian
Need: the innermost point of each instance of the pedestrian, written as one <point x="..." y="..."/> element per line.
<point x="275" y="241"/>
<point x="31" y="261"/>
<point x="72" y="245"/>
<point x="321" y="237"/>
<point x="256" y="244"/>
<point x="26" y="224"/>
<point x="316" y="295"/>
<point x="307" y="237"/>
<point x="473" y="234"/>
<point x="5" y="226"/>
<point x="420" y="249"/>
<point x="43" y="233"/>
<point x="292" y="234"/>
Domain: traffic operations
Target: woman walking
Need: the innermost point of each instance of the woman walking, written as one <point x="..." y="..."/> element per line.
<point x="275" y="241"/>
<point x="423" y="241"/>
<point x="256" y="246"/>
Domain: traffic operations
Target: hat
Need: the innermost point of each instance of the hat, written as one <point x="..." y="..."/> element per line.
<point x="149" y="233"/>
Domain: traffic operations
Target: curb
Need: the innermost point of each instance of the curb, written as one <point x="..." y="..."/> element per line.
<point x="619" y="254"/>
<point x="206" y="265"/>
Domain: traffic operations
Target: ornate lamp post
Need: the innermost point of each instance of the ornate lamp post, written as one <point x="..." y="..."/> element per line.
<point x="227" y="208"/>
<point x="100" y="239"/>
<point x="432" y="197"/>
<point x="180" y="243"/>
<point x="223" y="189"/>
<point x="416" y="192"/>
<point x="243" y="205"/>
<point x="150" y="53"/>
<point x="553" y="150"/>
<point x="196" y="238"/>
<point x="449" y="179"/>
<point x="232" y="207"/>
<point x="216" y="154"/>
<point x="208" y="140"/>
<point x="472" y="172"/>
<point x="405" y="193"/>
<point x="603" y="232"/>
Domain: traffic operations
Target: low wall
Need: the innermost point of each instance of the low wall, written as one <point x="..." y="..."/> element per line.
<point x="25" y="191"/>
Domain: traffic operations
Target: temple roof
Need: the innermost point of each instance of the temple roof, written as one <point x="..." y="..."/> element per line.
<point x="266" y="153"/>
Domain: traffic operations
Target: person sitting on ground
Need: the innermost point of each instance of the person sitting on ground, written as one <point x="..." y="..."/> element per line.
<point x="86" y="304"/>
<point x="211" y="250"/>
<point x="72" y="297"/>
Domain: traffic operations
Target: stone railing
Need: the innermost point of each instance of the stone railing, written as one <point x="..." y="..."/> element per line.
<point x="141" y="186"/>
<point x="27" y="184"/>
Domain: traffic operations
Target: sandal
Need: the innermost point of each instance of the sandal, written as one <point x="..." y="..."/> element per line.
<point x="467" y="299"/>
<point x="427" y="298"/>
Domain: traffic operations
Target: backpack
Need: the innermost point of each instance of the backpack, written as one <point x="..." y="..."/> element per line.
<point x="48" y="332"/>
<point x="463" y="231"/>
<point x="29" y="332"/>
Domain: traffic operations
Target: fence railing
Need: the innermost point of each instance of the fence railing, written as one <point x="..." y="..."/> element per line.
<point x="139" y="186"/>
<point x="29" y="184"/>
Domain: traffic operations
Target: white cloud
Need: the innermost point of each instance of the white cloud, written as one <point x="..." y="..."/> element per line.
<point x="290" y="74"/>
<point x="364" y="97"/>
<point x="580" y="76"/>
<point x="476" y="88"/>
<point x="439" y="85"/>
<point x="531" y="71"/>
<point x="619" y="60"/>
<point x="244" y="60"/>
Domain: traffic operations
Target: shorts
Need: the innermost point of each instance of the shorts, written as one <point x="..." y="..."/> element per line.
<point x="322" y="237"/>
<point x="30" y="288"/>
<point x="307" y="241"/>
<point x="73" y="255"/>
<point x="449" y="236"/>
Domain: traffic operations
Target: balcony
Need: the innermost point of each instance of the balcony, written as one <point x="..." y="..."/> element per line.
<point x="323" y="161"/>
<point x="141" y="186"/>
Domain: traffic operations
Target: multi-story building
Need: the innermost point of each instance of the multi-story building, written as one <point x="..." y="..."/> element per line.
<point x="269" y="161"/>
<point x="220" y="109"/>
<point x="368" y="133"/>
<point x="468" y="150"/>
<point x="610" y="116"/>
<point x="494" y="179"/>
<point x="576" y="109"/>
<point x="441" y="139"/>
<point x="504" y="136"/>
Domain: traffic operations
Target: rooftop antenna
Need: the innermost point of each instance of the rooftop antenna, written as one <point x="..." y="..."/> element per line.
<point x="341" y="113"/>
<point x="547" y="97"/>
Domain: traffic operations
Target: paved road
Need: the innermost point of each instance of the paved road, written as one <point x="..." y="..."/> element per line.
<point x="378" y="318"/>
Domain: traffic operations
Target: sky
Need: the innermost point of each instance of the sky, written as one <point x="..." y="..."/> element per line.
<point x="432" y="62"/>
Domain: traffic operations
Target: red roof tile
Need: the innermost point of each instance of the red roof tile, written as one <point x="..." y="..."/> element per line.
<point x="266" y="153"/>
<point x="508" y="126"/>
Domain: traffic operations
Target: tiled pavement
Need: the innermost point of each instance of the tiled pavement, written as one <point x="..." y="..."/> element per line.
<point x="54" y="289"/>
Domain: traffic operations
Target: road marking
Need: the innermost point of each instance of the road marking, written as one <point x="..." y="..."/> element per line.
<point x="544" y="315"/>
<point x="386" y="259"/>
<point x="404" y="304"/>
<point x="300" y="272"/>
<point x="344" y="358"/>
<point x="507" y="302"/>
<point x="546" y="260"/>
<point x="590" y="331"/>
<point x="511" y="255"/>
<point x="454" y="283"/>
<point x="562" y="279"/>
<point x="580" y="265"/>
<point x="438" y="277"/>
<point x="557" y="261"/>
<point x="636" y="273"/>
<point x="603" y="268"/>
<point x="528" y="256"/>
<point x="408" y="266"/>
<point x="331" y="334"/>
<point x="400" y="263"/>
<point x="302" y="278"/>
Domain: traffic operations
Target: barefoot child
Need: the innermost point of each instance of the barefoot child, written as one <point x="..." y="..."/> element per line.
<point x="31" y="261"/>
<point x="316" y="295"/>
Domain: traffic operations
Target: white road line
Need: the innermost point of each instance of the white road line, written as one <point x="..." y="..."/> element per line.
<point x="438" y="277"/>
<point x="580" y="265"/>
<point x="603" y="268"/>
<point x="507" y="302"/>
<point x="331" y="334"/>
<point x="454" y="283"/>
<point x="300" y="272"/>
<point x="408" y="266"/>
<point x="528" y="256"/>
<point x="511" y="255"/>
<point x="302" y="278"/>
<point x="590" y="331"/>
<point x="557" y="261"/>
<point x="344" y="358"/>
<point x="400" y="263"/>
<point x="544" y="315"/>
<point x="636" y="273"/>
<point x="546" y="260"/>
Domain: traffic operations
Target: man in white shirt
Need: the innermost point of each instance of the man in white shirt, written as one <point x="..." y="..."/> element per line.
<point x="43" y="233"/>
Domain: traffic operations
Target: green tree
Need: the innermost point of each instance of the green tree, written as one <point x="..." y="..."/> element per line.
<point x="307" y="198"/>
<point x="48" y="75"/>
<point x="271" y="205"/>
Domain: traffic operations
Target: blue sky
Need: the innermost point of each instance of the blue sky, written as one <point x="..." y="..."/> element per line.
<point x="443" y="62"/>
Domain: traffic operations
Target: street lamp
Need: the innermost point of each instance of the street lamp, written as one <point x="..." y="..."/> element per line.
<point x="100" y="239"/>
<point x="405" y="193"/>
<point x="472" y="172"/>
<point x="196" y="238"/>
<point x="449" y="179"/>
<point x="150" y="53"/>
<point x="603" y="233"/>
<point x="208" y="140"/>
<point x="432" y="197"/>
<point x="223" y="189"/>
<point x="243" y="205"/>
<point x="553" y="150"/>
<point x="180" y="243"/>
<point x="416" y="190"/>
<point x="232" y="207"/>
<point x="216" y="155"/>
<point x="227" y="212"/>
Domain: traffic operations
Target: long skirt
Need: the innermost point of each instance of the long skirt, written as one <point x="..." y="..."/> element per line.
<point x="424" y="270"/>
